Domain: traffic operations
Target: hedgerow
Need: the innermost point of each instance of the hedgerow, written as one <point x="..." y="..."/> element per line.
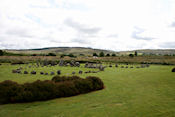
<point x="12" y="92"/>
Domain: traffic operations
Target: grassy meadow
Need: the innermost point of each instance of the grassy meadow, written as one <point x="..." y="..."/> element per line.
<point x="137" y="92"/>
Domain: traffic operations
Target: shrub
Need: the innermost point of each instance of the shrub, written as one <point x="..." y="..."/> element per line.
<point x="64" y="78"/>
<point x="1" y="53"/>
<point x="66" y="89"/>
<point x="96" y="82"/>
<point x="8" y="91"/>
<point x="113" y="54"/>
<point x="40" y="90"/>
<point x="71" y="55"/>
<point x="12" y="92"/>
<point x="173" y="70"/>
<point x="62" y="55"/>
<point x="82" y="55"/>
<point x="95" y="54"/>
<point x="101" y="54"/>
<point x="107" y="55"/>
<point x="131" y="55"/>
<point x="17" y="62"/>
<point x="51" y="54"/>
<point x="83" y="85"/>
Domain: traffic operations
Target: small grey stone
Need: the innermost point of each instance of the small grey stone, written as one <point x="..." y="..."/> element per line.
<point x="33" y="72"/>
<point x="25" y="72"/>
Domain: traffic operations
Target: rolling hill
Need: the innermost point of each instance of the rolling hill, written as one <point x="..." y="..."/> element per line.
<point x="62" y="50"/>
<point x="89" y="51"/>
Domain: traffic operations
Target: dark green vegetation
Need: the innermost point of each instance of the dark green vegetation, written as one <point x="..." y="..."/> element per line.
<point x="12" y="92"/>
<point x="173" y="70"/>
<point x="141" y="92"/>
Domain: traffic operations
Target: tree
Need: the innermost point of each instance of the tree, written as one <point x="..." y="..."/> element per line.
<point x="135" y="53"/>
<point x="101" y="54"/>
<point x="108" y="55"/>
<point x="62" y="55"/>
<point x="70" y="55"/>
<point x="95" y="54"/>
<point x="34" y="55"/>
<point x="82" y="55"/>
<point x="51" y="54"/>
<point x="131" y="55"/>
<point x="1" y="53"/>
<point x="113" y="54"/>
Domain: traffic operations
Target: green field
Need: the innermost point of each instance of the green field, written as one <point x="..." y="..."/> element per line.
<point x="143" y="92"/>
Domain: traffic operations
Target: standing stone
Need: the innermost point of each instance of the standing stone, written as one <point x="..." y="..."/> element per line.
<point x="19" y="71"/>
<point x="86" y="65"/>
<point x="58" y="72"/>
<point x="53" y="63"/>
<point x="33" y="72"/>
<point x="52" y="73"/>
<point x="80" y="72"/>
<point x="72" y="63"/>
<point x="14" y="71"/>
<point x="116" y="65"/>
<point x="25" y="72"/>
<point x="173" y="70"/>
<point x="101" y="68"/>
<point x="142" y="66"/>
<point x="110" y="65"/>
<point x="37" y="63"/>
<point x="46" y="74"/>
<point x="61" y="63"/>
<point x="77" y="64"/>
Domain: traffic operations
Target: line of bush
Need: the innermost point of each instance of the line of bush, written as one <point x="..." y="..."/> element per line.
<point x="59" y="86"/>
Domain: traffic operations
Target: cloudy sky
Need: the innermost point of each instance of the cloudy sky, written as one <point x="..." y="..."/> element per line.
<point x="104" y="24"/>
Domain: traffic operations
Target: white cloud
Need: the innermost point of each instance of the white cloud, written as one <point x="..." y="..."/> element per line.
<point x="105" y="24"/>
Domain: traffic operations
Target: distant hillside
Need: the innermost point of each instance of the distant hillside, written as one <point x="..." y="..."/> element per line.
<point x="90" y="51"/>
<point x="62" y="50"/>
<point x="152" y="52"/>
<point x="158" y="51"/>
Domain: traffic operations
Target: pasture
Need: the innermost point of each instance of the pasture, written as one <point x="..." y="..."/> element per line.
<point x="129" y="92"/>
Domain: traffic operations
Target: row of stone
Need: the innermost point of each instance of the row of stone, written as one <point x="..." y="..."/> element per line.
<point x="72" y="63"/>
<point x="141" y="66"/>
<point x="34" y="72"/>
<point x="51" y="73"/>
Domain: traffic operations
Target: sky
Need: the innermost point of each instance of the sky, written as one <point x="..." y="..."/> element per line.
<point x="117" y="25"/>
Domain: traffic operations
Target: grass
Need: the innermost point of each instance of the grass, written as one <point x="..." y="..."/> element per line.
<point x="144" y="92"/>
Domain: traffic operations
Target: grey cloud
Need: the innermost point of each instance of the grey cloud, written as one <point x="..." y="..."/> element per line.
<point x="81" y="28"/>
<point x="19" y="32"/>
<point x="7" y="46"/>
<point x="173" y="24"/>
<point x="81" y="41"/>
<point x="22" y="43"/>
<point x="136" y="34"/>
<point x="113" y="36"/>
<point x="167" y="45"/>
<point x="84" y="33"/>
